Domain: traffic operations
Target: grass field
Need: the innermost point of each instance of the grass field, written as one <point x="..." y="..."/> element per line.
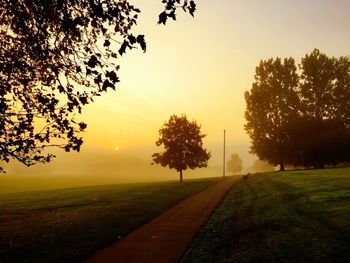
<point x="299" y="216"/>
<point x="69" y="225"/>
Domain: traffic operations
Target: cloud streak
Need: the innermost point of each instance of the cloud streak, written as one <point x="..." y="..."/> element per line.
<point x="243" y="56"/>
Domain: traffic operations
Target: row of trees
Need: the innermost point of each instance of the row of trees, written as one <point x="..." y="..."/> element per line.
<point x="300" y="115"/>
<point x="182" y="142"/>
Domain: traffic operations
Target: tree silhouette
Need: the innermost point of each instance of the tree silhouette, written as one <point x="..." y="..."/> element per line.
<point x="341" y="91"/>
<point x="317" y="78"/>
<point x="324" y="127"/>
<point x="182" y="140"/>
<point x="55" y="57"/>
<point x="234" y="164"/>
<point x="318" y="142"/>
<point x="271" y="104"/>
<point x="301" y="120"/>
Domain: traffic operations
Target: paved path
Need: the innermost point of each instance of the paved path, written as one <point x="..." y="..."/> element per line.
<point x="167" y="237"/>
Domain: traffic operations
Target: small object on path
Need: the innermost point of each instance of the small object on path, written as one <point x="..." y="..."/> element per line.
<point x="167" y="237"/>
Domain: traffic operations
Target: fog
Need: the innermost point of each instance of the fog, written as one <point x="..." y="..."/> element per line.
<point x="93" y="168"/>
<point x="98" y="165"/>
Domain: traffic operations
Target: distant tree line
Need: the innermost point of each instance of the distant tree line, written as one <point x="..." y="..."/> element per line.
<point x="300" y="115"/>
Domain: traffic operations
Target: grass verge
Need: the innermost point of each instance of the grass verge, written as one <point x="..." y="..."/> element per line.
<point x="70" y="224"/>
<point x="299" y="216"/>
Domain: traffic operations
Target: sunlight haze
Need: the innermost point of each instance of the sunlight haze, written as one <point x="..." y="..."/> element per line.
<point x="197" y="66"/>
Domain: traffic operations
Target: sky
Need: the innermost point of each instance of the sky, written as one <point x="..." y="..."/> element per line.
<point x="200" y="67"/>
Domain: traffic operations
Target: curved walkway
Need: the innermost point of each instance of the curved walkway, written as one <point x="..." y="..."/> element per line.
<point x="167" y="237"/>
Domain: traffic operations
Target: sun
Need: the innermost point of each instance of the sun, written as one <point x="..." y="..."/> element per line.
<point x="116" y="148"/>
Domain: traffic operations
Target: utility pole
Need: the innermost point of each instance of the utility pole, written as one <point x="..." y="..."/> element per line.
<point x="224" y="161"/>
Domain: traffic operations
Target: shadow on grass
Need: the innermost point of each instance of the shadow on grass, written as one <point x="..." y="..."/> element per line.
<point x="280" y="217"/>
<point x="69" y="225"/>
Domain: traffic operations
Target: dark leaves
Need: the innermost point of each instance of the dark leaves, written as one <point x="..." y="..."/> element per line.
<point x="56" y="56"/>
<point x="83" y="100"/>
<point x="192" y="8"/>
<point x="107" y="84"/>
<point x="112" y="76"/>
<point x="162" y="18"/>
<point x="141" y="40"/>
<point x="98" y="79"/>
<point x="123" y="47"/>
<point x="172" y="15"/>
<point x="107" y="43"/>
<point x="93" y="61"/>
<point x="132" y="39"/>
<point x="82" y="126"/>
<point x="170" y="9"/>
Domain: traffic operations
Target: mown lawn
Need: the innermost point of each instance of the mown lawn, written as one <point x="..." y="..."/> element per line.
<point x="299" y="216"/>
<point x="69" y="225"/>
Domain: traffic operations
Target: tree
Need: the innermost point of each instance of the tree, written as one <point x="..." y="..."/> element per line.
<point x="55" y="57"/>
<point x="317" y="84"/>
<point x="234" y="164"/>
<point x="182" y="140"/>
<point x="271" y="104"/>
<point x="325" y="109"/>
<point x="341" y="91"/>
<point x="318" y="142"/>
<point x="301" y="120"/>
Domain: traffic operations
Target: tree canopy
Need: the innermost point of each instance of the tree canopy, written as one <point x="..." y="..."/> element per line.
<point x="271" y="104"/>
<point x="183" y="145"/>
<point x="234" y="164"/>
<point x="316" y="85"/>
<point x="301" y="120"/>
<point x="55" y="57"/>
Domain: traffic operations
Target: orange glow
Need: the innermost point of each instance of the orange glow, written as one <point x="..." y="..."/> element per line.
<point x="202" y="66"/>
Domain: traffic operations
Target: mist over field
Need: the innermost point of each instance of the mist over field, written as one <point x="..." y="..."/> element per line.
<point x="173" y="77"/>
<point x="107" y="106"/>
<point x="91" y="169"/>
<point x="102" y="166"/>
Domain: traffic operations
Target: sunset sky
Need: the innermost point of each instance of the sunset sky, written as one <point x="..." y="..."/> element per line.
<point x="201" y="67"/>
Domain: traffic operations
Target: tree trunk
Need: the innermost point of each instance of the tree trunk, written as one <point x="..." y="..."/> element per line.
<point x="180" y="176"/>
<point x="282" y="166"/>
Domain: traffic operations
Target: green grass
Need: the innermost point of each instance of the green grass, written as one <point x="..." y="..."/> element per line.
<point x="299" y="216"/>
<point x="69" y="225"/>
